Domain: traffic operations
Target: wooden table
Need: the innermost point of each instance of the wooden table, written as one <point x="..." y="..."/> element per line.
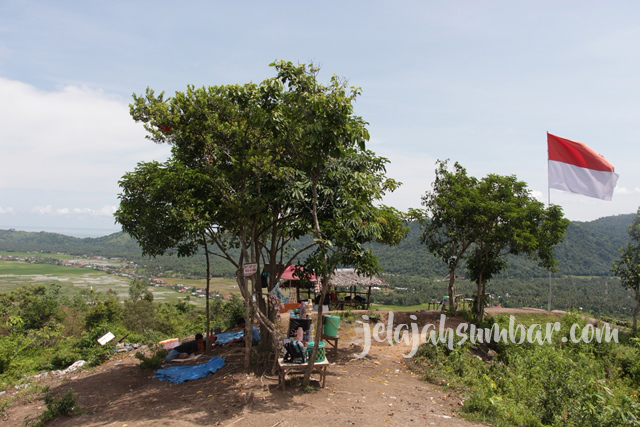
<point x="286" y="368"/>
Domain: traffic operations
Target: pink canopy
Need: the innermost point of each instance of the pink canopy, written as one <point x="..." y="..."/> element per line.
<point x="290" y="274"/>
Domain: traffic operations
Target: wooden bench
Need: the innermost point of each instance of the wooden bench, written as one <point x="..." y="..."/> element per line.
<point x="300" y="368"/>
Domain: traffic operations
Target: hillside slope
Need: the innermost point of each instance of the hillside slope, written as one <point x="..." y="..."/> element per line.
<point x="588" y="249"/>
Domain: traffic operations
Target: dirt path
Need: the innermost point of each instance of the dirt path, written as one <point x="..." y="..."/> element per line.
<point x="377" y="390"/>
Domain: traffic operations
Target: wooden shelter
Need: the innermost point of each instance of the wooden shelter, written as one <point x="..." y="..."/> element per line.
<point x="353" y="290"/>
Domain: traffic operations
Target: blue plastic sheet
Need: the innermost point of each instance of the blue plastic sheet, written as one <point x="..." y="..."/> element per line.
<point x="227" y="337"/>
<point x="180" y="374"/>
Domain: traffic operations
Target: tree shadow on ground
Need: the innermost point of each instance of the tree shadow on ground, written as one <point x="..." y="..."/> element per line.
<point x="122" y="393"/>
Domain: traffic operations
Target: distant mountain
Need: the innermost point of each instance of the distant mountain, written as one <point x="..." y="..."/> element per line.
<point x="588" y="249"/>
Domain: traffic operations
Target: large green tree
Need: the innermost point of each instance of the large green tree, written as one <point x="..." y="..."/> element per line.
<point x="253" y="167"/>
<point x="627" y="268"/>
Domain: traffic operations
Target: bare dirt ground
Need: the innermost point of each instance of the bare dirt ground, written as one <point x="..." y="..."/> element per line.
<point x="378" y="390"/>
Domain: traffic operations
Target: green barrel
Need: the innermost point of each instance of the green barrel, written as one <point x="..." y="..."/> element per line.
<point x="320" y="356"/>
<point x="331" y="325"/>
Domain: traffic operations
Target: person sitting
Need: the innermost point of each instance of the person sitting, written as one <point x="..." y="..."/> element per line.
<point x="185" y="349"/>
<point x="255" y="334"/>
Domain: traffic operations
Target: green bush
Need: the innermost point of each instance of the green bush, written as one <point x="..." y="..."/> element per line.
<point x="7" y="352"/>
<point x="64" y="405"/>
<point x="561" y="384"/>
<point x="64" y="357"/>
<point x="154" y="361"/>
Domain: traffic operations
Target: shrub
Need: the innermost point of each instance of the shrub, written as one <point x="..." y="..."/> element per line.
<point x="154" y="361"/>
<point x="7" y="351"/>
<point x="64" y="357"/>
<point x="374" y="317"/>
<point x="64" y="405"/>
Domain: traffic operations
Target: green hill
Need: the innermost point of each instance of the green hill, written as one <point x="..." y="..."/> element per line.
<point x="588" y="249"/>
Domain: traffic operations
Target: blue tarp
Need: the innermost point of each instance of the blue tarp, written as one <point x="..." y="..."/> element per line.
<point x="227" y="337"/>
<point x="180" y="374"/>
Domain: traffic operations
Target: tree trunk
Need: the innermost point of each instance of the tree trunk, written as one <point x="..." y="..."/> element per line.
<point x="480" y="299"/>
<point x="324" y="281"/>
<point x="208" y="331"/>
<point x="452" y="289"/>
<point x="248" y="319"/>
<point x="635" y="313"/>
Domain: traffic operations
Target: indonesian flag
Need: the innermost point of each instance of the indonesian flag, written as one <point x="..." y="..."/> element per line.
<point x="577" y="168"/>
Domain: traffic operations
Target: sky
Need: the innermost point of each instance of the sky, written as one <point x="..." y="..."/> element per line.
<point x="477" y="82"/>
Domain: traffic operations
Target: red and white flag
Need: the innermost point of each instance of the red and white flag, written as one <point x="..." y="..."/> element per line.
<point x="577" y="168"/>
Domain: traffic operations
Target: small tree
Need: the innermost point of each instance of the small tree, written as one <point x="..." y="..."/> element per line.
<point x="627" y="268"/>
<point x="508" y="220"/>
<point x="139" y="290"/>
<point x="446" y="222"/>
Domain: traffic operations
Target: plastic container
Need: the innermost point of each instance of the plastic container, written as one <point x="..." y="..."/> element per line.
<point x="294" y="324"/>
<point x="308" y="335"/>
<point x="321" y="356"/>
<point x="331" y="325"/>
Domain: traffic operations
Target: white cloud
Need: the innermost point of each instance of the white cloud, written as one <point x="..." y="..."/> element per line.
<point x="105" y="211"/>
<point x="74" y="138"/>
<point x="8" y="210"/>
<point x="43" y="210"/>
<point x="625" y="190"/>
<point x="538" y="195"/>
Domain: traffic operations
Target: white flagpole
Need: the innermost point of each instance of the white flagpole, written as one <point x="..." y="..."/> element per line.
<point x="548" y="206"/>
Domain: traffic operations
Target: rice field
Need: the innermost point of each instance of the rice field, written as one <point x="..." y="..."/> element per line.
<point x="72" y="280"/>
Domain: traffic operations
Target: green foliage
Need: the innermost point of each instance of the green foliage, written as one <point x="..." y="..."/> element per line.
<point x="138" y="290"/>
<point x="39" y="305"/>
<point x="65" y="357"/>
<point x="65" y="405"/>
<point x="485" y="220"/>
<point x="107" y="311"/>
<point x="347" y="316"/>
<point x="7" y="353"/>
<point x="558" y="384"/>
<point x="374" y="317"/>
<point x="154" y="361"/>
<point x="627" y="268"/>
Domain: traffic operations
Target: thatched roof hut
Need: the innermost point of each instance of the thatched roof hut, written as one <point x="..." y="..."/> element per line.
<point x="347" y="277"/>
<point x="354" y="289"/>
<point x="347" y="281"/>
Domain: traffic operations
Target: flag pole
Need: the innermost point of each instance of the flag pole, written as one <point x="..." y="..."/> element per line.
<point x="548" y="206"/>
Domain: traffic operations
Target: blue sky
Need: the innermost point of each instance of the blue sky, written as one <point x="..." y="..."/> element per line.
<point x="478" y="82"/>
